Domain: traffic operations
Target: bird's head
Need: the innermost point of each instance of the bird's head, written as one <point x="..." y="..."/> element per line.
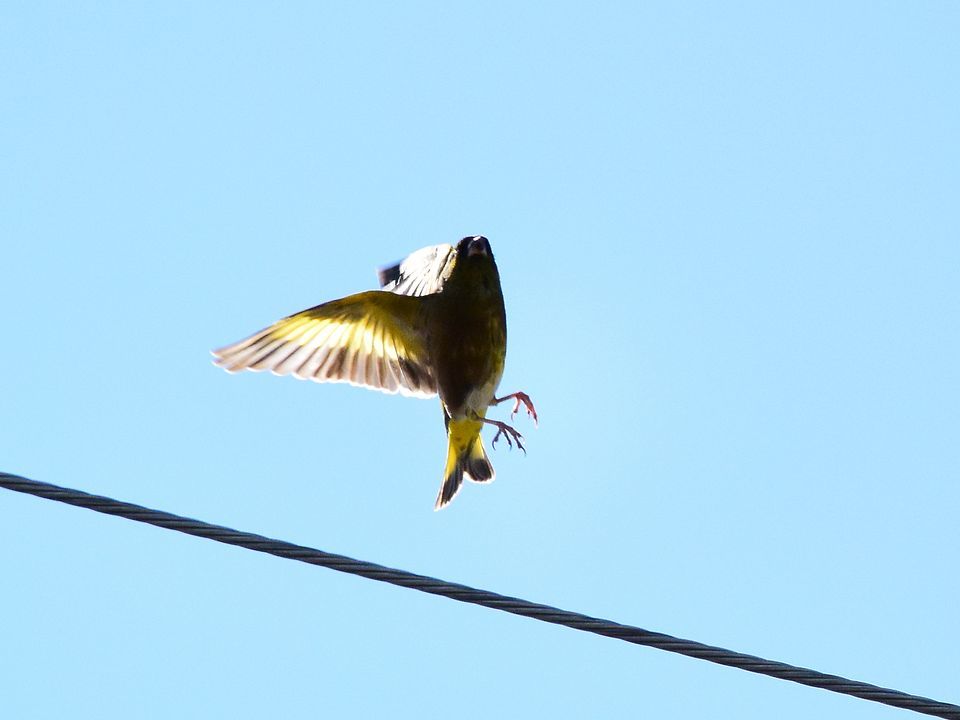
<point x="474" y="246"/>
<point x="475" y="266"/>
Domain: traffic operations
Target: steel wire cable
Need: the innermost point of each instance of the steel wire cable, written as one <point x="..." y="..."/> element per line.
<point x="466" y="594"/>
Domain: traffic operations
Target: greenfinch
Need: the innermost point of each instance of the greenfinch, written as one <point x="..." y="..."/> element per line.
<point x="437" y="326"/>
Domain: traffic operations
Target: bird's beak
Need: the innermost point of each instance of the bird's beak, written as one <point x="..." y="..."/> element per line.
<point x="478" y="246"/>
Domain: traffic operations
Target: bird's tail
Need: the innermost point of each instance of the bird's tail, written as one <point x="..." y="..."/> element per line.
<point x="465" y="456"/>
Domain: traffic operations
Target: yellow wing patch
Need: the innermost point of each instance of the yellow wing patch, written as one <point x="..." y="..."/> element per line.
<point x="371" y="339"/>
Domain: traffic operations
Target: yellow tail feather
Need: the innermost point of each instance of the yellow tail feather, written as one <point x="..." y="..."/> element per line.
<point x="465" y="455"/>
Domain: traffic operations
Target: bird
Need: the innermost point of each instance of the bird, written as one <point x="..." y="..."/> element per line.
<point x="437" y="326"/>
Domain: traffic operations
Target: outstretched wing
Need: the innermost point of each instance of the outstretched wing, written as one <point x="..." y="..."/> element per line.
<point x="423" y="273"/>
<point x="372" y="339"/>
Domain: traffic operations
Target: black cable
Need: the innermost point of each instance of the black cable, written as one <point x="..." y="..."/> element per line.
<point x="466" y="594"/>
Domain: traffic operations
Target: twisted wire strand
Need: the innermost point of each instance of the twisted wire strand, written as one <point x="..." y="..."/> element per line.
<point x="466" y="594"/>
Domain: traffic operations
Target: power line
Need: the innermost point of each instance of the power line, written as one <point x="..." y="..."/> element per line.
<point x="464" y="593"/>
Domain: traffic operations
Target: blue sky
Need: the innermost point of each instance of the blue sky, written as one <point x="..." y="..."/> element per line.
<point x="728" y="240"/>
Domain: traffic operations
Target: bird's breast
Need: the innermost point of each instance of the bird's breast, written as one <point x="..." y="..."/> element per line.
<point x="469" y="347"/>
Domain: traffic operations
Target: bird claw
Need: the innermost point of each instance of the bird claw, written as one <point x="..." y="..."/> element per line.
<point x="510" y="434"/>
<point x="518" y="399"/>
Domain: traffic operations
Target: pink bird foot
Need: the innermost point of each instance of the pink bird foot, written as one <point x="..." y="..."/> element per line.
<point x="511" y="435"/>
<point x="518" y="399"/>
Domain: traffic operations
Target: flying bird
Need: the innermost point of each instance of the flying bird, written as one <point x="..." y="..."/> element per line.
<point x="437" y="326"/>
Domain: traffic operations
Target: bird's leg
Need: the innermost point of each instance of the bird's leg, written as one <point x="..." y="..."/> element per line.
<point x="508" y="432"/>
<point x="518" y="398"/>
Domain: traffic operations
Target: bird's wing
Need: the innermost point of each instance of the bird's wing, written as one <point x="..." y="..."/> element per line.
<point x="372" y="339"/>
<point x="423" y="273"/>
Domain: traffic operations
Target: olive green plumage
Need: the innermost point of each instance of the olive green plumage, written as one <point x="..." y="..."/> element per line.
<point x="437" y="327"/>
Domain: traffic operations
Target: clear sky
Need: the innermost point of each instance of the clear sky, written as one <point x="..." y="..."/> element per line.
<point x="729" y="241"/>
